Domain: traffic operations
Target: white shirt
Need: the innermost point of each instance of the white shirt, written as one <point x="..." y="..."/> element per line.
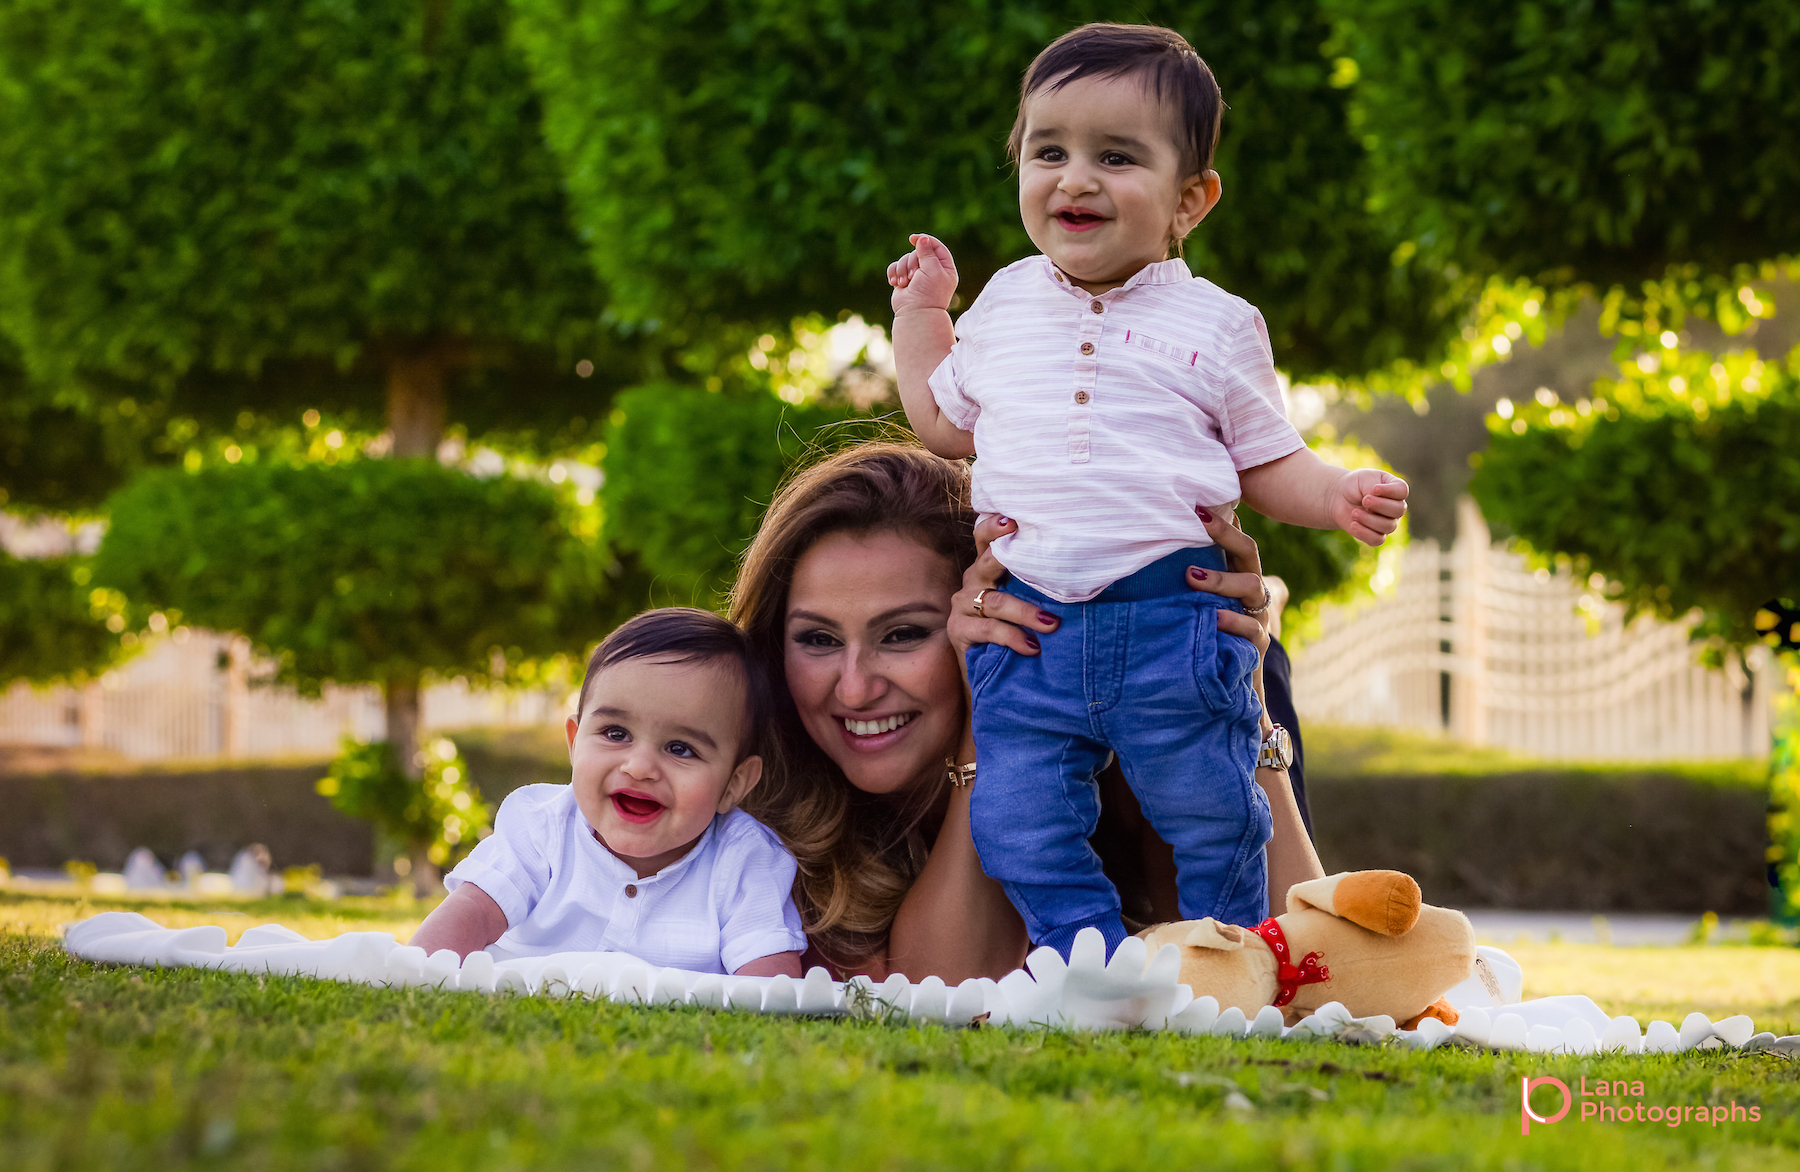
<point x="717" y="908"/>
<point x="1100" y="422"/>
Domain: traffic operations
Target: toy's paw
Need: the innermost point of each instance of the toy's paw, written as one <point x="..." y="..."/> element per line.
<point x="1440" y="1009"/>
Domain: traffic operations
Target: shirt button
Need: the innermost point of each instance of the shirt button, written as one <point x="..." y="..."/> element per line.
<point x="631" y="891"/>
<point x="1081" y="396"/>
<point x="1087" y="347"/>
<point x="1096" y="307"/>
<point x="1059" y="277"/>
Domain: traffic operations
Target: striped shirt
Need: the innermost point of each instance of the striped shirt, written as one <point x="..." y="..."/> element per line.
<point x="722" y="905"/>
<point x="1100" y="422"/>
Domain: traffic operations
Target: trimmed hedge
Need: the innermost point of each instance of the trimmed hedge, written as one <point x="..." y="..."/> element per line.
<point x="1650" y="841"/>
<point x="1483" y="827"/>
<point x="1481" y="832"/>
<point x="100" y="816"/>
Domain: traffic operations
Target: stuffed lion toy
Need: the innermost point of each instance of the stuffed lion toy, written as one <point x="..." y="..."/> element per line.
<point x="1362" y="938"/>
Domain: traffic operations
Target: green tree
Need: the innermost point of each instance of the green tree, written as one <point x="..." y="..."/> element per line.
<point x="435" y="818"/>
<point x="689" y="474"/>
<point x="250" y="204"/>
<point x="370" y="571"/>
<point x="1597" y="142"/>
<point x="1315" y="563"/>
<point x="55" y="625"/>
<point x="749" y="160"/>
<point x="1681" y="487"/>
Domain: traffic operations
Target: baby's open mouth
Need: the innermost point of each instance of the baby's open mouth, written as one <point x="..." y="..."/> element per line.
<point x="636" y="807"/>
<point x="1079" y="219"/>
<point x="870" y="728"/>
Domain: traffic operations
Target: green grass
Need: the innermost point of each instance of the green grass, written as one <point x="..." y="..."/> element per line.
<point x="1336" y="750"/>
<point x="121" y="1068"/>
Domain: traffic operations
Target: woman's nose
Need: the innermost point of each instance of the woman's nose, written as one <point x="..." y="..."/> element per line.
<point x="860" y="683"/>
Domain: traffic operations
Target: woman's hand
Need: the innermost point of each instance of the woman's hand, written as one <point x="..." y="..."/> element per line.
<point x="1244" y="582"/>
<point x="1001" y="618"/>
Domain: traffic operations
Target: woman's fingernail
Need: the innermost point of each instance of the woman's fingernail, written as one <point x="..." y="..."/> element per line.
<point x="1031" y="639"/>
<point x="1203" y="515"/>
<point x="1006" y="520"/>
<point x="1045" y="616"/>
<point x="1197" y="572"/>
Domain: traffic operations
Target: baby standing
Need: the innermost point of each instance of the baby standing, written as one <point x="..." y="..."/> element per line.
<point x="1111" y="396"/>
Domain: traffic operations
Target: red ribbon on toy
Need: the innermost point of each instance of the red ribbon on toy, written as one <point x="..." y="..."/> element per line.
<point x="1290" y="978"/>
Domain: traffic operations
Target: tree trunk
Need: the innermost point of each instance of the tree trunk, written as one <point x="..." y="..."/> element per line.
<point x="1747" y="699"/>
<point x="416" y="399"/>
<point x="402" y="701"/>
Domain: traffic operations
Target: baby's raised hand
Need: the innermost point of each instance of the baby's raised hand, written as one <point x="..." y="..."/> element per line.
<point x="1368" y="504"/>
<point x="924" y="278"/>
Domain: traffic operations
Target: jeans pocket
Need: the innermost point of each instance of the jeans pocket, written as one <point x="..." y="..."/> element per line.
<point x="983" y="661"/>
<point x="1223" y="664"/>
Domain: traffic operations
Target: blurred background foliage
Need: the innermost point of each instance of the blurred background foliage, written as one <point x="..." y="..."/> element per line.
<point x="614" y="232"/>
<point x="689" y="473"/>
<point x="1678" y="485"/>
<point x="748" y="160"/>
<point x="300" y="205"/>
<point x="1566" y="140"/>
<point x="598" y="257"/>
<point x="434" y="820"/>
<point x="55" y="624"/>
<point x="367" y="571"/>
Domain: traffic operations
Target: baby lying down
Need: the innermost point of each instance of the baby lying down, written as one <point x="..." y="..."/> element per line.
<point x="645" y="851"/>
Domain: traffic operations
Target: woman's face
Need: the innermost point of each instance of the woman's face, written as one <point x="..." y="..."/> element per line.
<point x="869" y="664"/>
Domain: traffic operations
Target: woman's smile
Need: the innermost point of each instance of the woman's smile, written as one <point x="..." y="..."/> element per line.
<point x="875" y="734"/>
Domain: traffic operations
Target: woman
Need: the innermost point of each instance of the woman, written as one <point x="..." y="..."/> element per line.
<point x="859" y="593"/>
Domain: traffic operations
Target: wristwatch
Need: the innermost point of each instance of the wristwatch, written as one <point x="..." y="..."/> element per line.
<point x="1277" y="750"/>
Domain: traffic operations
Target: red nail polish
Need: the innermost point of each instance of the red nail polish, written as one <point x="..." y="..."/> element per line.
<point x="1045" y="616"/>
<point x="1198" y="572"/>
<point x="1203" y="514"/>
<point x="1032" y="639"/>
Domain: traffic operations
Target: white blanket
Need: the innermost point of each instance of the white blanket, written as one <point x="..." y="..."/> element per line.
<point x="1132" y="991"/>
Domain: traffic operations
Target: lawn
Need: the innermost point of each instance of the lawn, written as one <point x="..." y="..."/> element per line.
<point x="122" y="1069"/>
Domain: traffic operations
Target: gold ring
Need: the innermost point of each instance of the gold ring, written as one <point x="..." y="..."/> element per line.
<point x="978" y="597"/>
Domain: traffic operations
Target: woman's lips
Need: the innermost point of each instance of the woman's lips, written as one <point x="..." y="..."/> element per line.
<point x="874" y="742"/>
<point x="636" y="808"/>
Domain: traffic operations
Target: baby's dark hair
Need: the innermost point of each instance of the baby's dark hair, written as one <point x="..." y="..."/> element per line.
<point x="685" y="634"/>
<point x="1168" y="64"/>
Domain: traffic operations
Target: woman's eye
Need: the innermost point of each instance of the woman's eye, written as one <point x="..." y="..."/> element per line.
<point x="680" y="749"/>
<point x="815" y="639"/>
<point x="907" y="634"/>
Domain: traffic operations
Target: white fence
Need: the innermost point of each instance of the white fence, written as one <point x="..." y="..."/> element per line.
<point x="192" y="697"/>
<point x="1475" y="644"/>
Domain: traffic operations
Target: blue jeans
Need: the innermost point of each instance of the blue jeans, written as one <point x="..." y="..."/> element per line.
<point x="1142" y="671"/>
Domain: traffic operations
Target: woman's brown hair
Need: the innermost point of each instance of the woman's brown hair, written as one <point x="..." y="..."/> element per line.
<point x="855" y="861"/>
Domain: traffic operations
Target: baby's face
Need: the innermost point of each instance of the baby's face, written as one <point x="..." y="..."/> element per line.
<point x="655" y="755"/>
<point x="1100" y="184"/>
